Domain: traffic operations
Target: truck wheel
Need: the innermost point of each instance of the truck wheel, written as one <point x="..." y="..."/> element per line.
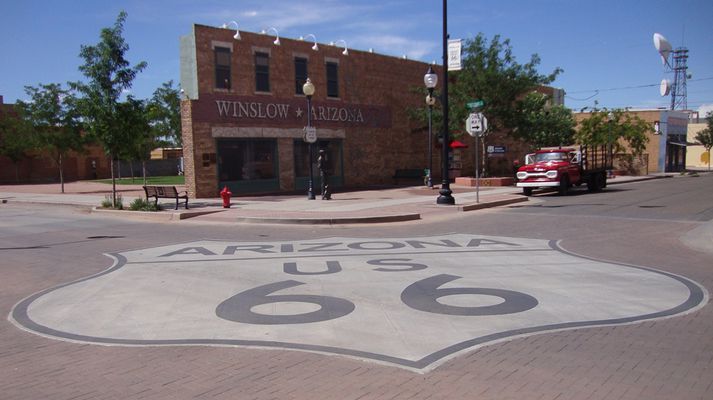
<point x="527" y="191"/>
<point x="564" y="185"/>
<point x="592" y="183"/>
<point x="601" y="181"/>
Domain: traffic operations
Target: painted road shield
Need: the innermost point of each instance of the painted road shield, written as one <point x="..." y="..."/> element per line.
<point x="412" y="302"/>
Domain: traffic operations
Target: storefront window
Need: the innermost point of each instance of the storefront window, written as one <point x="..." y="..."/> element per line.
<point x="246" y="160"/>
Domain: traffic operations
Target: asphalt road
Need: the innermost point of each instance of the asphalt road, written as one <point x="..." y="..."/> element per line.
<point x="677" y="199"/>
<point x="635" y="224"/>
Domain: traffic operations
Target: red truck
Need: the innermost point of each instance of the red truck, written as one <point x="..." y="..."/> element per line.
<point x="564" y="167"/>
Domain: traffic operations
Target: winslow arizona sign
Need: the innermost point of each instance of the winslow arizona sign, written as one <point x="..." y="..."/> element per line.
<point x="258" y="111"/>
<point x="410" y="302"/>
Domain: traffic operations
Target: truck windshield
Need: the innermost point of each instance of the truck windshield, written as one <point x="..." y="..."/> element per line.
<point x="539" y="157"/>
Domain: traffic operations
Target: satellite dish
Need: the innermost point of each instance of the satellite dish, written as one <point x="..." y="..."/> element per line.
<point x="662" y="46"/>
<point x="665" y="87"/>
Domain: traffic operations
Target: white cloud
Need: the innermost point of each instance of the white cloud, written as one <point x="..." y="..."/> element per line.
<point x="397" y="45"/>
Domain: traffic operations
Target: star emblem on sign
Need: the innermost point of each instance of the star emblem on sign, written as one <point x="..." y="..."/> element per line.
<point x="299" y="112"/>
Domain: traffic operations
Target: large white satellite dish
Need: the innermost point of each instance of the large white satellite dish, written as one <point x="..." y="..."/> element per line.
<point x="663" y="46"/>
<point x="665" y="87"/>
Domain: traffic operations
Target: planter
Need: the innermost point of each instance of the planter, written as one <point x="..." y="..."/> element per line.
<point x="470" y="181"/>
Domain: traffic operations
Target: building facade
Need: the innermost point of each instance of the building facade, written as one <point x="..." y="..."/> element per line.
<point x="243" y="113"/>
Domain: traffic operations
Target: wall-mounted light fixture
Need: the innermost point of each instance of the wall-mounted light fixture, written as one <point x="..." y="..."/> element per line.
<point x="315" y="47"/>
<point x="277" y="35"/>
<point x="237" y="32"/>
<point x="345" y="52"/>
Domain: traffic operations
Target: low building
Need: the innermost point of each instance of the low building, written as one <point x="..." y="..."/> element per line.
<point x="666" y="148"/>
<point x="696" y="155"/>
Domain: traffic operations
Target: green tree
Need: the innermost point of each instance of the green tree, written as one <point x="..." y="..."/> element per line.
<point x="164" y="113"/>
<point x="108" y="74"/>
<point x="705" y="137"/>
<point x="492" y="74"/>
<point x="140" y="139"/>
<point x="614" y="126"/>
<point x="542" y="125"/>
<point x="16" y="137"/>
<point x="52" y="112"/>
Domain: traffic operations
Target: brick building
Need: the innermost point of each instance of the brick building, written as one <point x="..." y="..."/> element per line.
<point x="243" y="113"/>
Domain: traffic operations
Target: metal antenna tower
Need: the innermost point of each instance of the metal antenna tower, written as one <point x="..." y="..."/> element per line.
<point x="679" y="96"/>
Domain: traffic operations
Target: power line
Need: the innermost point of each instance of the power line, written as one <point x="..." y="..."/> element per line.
<point x="631" y="87"/>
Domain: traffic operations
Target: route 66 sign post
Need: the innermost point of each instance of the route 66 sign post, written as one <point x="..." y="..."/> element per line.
<point x="476" y="124"/>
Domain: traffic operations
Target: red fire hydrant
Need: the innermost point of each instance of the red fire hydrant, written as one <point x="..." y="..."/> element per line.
<point x="225" y="194"/>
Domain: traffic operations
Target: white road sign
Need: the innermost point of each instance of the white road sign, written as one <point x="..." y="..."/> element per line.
<point x="310" y="134"/>
<point x="476" y="124"/>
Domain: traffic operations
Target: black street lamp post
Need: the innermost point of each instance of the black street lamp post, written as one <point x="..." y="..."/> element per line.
<point x="430" y="80"/>
<point x="445" y="192"/>
<point x="308" y="90"/>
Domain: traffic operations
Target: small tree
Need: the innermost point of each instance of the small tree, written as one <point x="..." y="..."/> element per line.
<point x="135" y="127"/>
<point x="599" y="128"/>
<point x="52" y="111"/>
<point x="705" y="137"/>
<point x="109" y="74"/>
<point x="164" y="113"/>
<point x="16" y="138"/>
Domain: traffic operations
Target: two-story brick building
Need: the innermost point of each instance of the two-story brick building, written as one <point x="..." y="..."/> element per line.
<point x="244" y="112"/>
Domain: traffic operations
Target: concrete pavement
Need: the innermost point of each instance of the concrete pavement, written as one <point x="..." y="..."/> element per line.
<point x="392" y="204"/>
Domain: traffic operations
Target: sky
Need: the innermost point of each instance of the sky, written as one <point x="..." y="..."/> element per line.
<point x="604" y="47"/>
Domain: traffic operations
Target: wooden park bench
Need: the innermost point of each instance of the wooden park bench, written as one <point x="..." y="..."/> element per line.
<point x="407" y="174"/>
<point x="165" y="192"/>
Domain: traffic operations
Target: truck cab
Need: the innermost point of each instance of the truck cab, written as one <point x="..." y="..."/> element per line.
<point x="554" y="168"/>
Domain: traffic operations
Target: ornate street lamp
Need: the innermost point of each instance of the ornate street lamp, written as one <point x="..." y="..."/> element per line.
<point x="308" y="90"/>
<point x="430" y="80"/>
<point x="445" y="192"/>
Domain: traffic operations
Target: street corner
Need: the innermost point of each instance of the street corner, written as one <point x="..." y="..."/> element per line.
<point x="410" y="302"/>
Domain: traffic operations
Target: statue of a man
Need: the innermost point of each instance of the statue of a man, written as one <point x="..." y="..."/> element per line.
<point x="323" y="166"/>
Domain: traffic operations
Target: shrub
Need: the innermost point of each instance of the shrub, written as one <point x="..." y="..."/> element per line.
<point x="106" y="203"/>
<point x="140" y="204"/>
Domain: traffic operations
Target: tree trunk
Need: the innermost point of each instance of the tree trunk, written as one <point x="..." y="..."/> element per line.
<point x="143" y="170"/>
<point x="113" y="183"/>
<point x="61" y="172"/>
<point x="131" y="170"/>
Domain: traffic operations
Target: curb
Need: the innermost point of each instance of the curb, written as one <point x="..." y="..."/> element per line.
<point x="153" y="215"/>
<point x="330" y="220"/>
<point x="496" y="203"/>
